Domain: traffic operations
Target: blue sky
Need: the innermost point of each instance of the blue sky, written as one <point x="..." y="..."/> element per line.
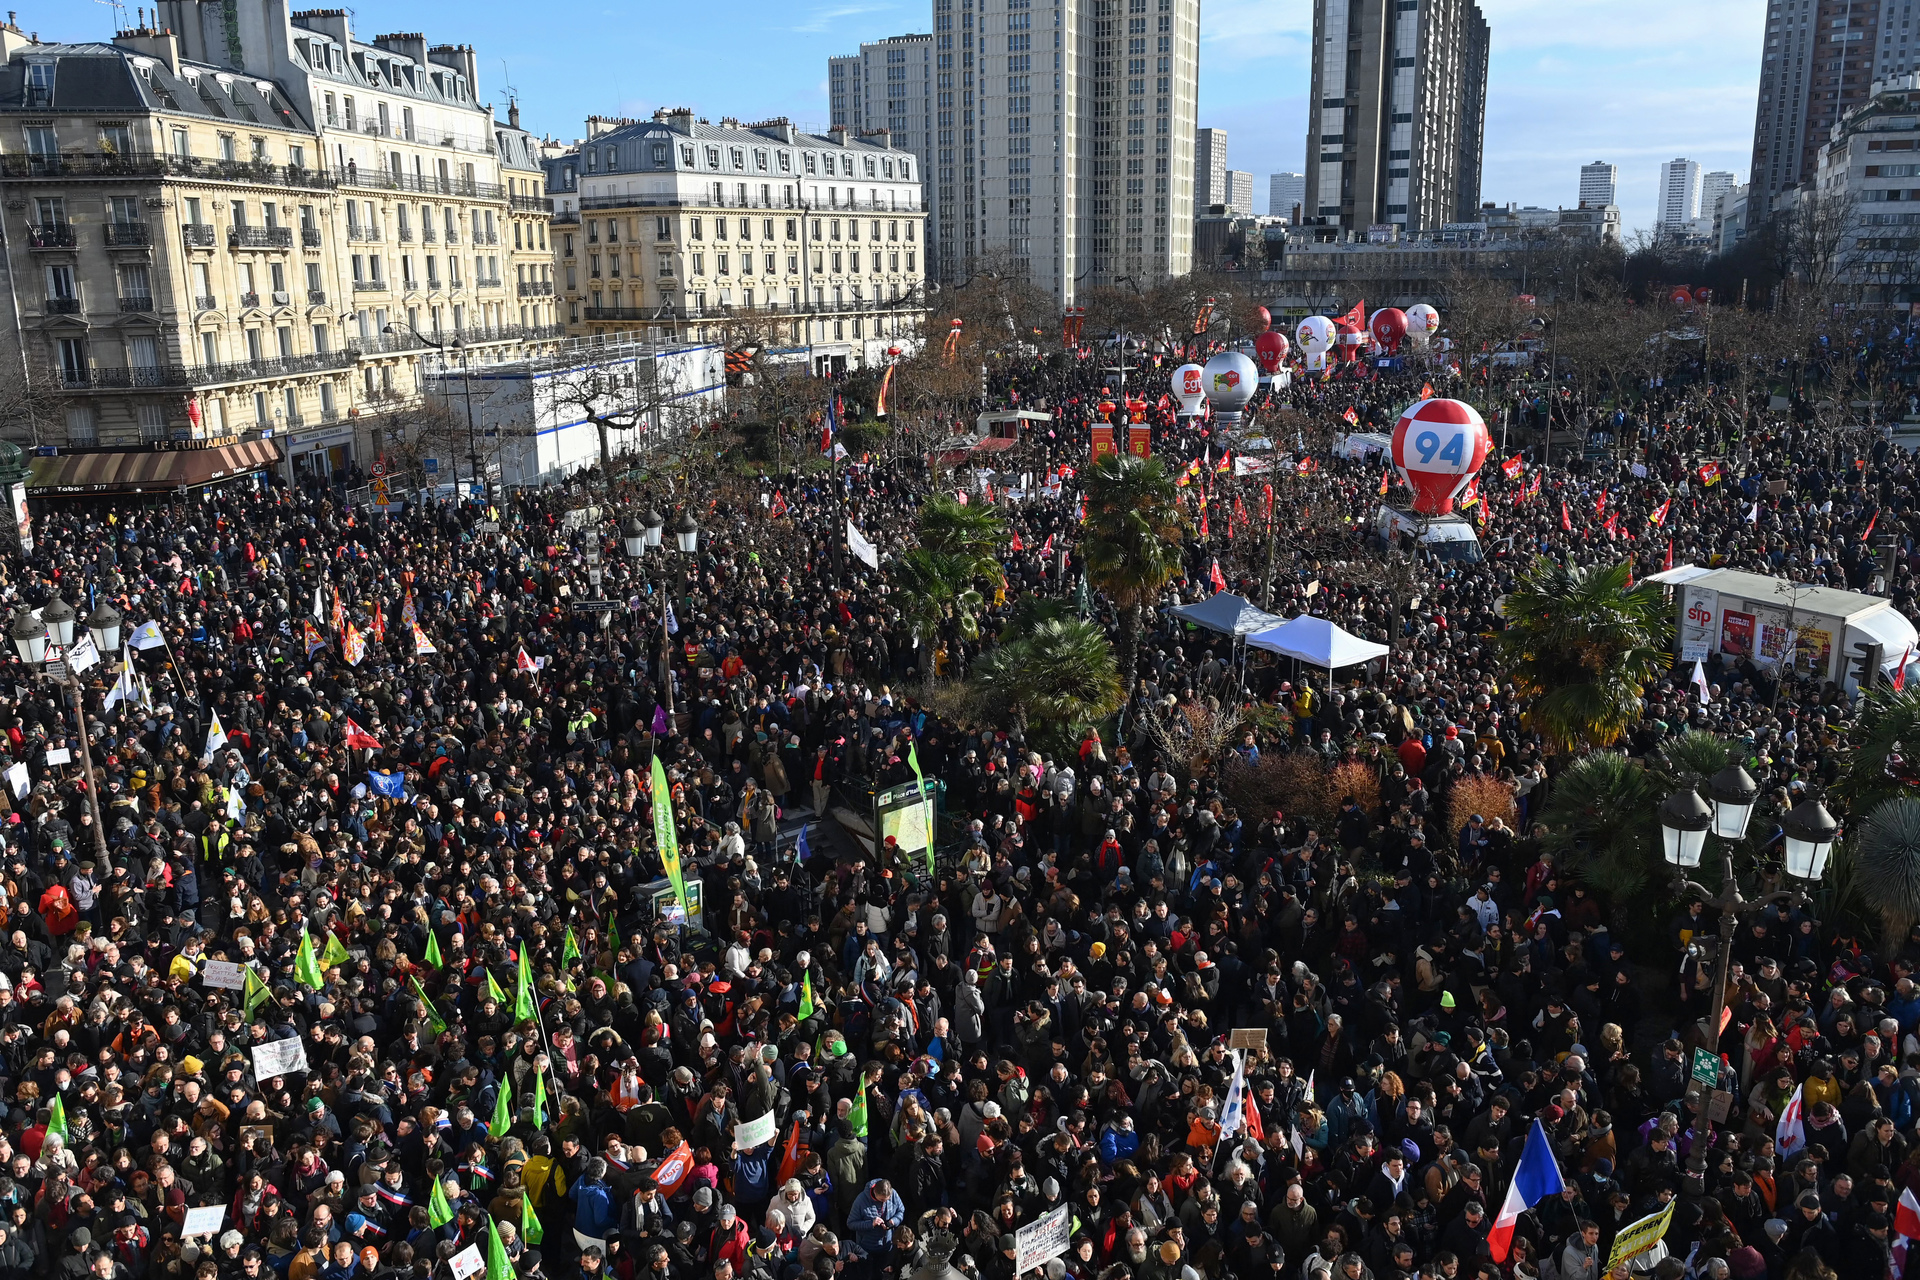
<point x="1634" y="82"/>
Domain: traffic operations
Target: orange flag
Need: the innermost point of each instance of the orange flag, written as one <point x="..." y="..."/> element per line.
<point x="794" y="1153"/>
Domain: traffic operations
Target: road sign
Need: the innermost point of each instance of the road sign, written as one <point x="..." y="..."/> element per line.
<point x="476" y="491"/>
<point x="594" y="606"/>
<point x="1706" y="1069"/>
<point x="379" y="469"/>
<point x="432" y="465"/>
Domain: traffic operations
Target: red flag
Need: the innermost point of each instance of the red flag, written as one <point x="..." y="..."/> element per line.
<point x="1225" y="464"/>
<point x="1219" y="579"/>
<point x="1352" y="418"/>
<point x="1899" y="683"/>
<point x="1629" y="575"/>
<point x="1017" y="544"/>
<point x="794" y="1154"/>
<point x="359" y="739"/>
<point x="1239" y="509"/>
<point x="1046" y="548"/>
<point x="1659" y="516"/>
<point x="1906" y="1215"/>
<point x="1384" y="477"/>
<point x="524" y="663"/>
<point x="379" y="624"/>
<point x="1669" y="564"/>
<point x="1709" y="474"/>
<point x="674" y="1168"/>
<point x="779" y="507"/>
<point x="1566" y="520"/>
<point x="1513" y="466"/>
<point x="1255" y="1129"/>
<point x="1426" y="391"/>
<point x="1203" y="522"/>
<point x="1613" y="520"/>
<point x="1358" y="316"/>
<point x="1869" y="530"/>
<point x="1267" y="501"/>
<point x="1600" y="503"/>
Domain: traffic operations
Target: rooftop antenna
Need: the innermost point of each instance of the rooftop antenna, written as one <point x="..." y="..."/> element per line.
<point x="119" y="13"/>
<point x="506" y="81"/>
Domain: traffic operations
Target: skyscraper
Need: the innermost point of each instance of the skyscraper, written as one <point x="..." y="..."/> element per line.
<point x="1064" y="138"/>
<point x="1712" y="187"/>
<point x="1679" y="195"/>
<point x="889" y="85"/>
<point x="1398" y="113"/>
<point x="1209" y="170"/>
<point x="1820" y="61"/>
<point x="1239" y="191"/>
<point x="1286" y="192"/>
<point x="1599" y="182"/>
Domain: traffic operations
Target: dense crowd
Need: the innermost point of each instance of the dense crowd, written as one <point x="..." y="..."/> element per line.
<point x="388" y="769"/>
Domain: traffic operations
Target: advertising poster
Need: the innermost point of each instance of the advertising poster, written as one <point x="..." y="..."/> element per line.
<point x="1736" y="634"/>
<point x="1770" y="630"/>
<point x="1814" y="650"/>
<point x="1699" y="609"/>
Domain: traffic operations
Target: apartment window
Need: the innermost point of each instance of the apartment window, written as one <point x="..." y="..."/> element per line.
<point x="693" y="229"/>
<point x="60" y="283"/>
<point x="320" y="338"/>
<point x="116" y="139"/>
<point x="210" y="348"/>
<point x="406" y="123"/>
<point x="686" y="156"/>
<point x="333" y="113"/>
<point x="699" y="264"/>
<point x="83" y="428"/>
<point x="227" y="150"/>
<point x="660" y="153"/>
<point x="720" y="264"/>
<point x="182" y="145"/>
<point x="136" y="284"/>
<point x="72" y="356"/>
<point x="153" y="422"/>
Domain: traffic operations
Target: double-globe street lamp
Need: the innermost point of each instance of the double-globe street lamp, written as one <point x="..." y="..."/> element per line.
<point x="641" y="536"/>
<point x="42" y="642"/>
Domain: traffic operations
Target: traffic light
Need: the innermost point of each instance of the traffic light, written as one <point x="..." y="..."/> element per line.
<point x="1886" y="553"/>
<point x="1870" y="659"/>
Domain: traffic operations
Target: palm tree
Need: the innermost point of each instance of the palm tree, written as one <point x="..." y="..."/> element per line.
<point x="975" y="532"/>
<point x="1887" y="867"/>
<point x="1584" y="645"/>
<point x="1060" y="674"/>
<point x="1602" y="828"/>
<point x="1883" y="757"/>
<point x="1691" y="759"/>
<point x="1130" y="542"/>
<point x="931" y="585"/>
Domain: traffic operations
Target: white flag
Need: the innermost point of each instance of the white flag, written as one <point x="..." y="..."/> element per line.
<point x="147" y="636"/>
<point x="216" y="736"/>
<point x="1700" y="682"/>
<point x="861" y="548"/>
<point x="236" y="807"/>
<point x="82" y="654"/>
<point x="1790" y="1135"/>
<point x="319" y="609"/>
<point x="1753" y="515"/>
<point x="124" y="690"/>
<point x="1233" y="1113"/>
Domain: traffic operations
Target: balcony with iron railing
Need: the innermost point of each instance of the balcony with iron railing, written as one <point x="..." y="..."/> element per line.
<point x="363" y="234"/>
<point x="487" y="282"/>
<point x="405" y="235"/>
<point x="59" y="235"/>
<point x="865" y="306"/>
<point x="568" y="218"/>
<point x="282" y="298"/>
<point x="370" y="286"/>
<point x="80" y="164"/>
<point x="536" y="289"/>
<point x="249" y="300"/>
<point x="273" y="367"/>
<point x="198" y="235"/>
<point x="774" y="203"/>
<point x="205" y="302"/>
<point x="532" y="204"/>
<point x="136" y="303"/>
<point x="491" y="237"/>
<point x="260" y="237"/>
<point x="316" y="297"/>
<point x="453" y="236"/>
<point x="429" y="236"/>
<point x="62" y="307"/>
<point x="423" y="184"/>
<point x="310" y="238"/>
<point x="128" y="235"/>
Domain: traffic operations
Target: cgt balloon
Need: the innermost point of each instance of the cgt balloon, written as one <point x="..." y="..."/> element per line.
<point x="1388" y="326"/>
<point x="1269" y="352"/>
<point x="1438" y="447"/>
<point x="1189" y="388"/>
<point x="1315" y="335"/>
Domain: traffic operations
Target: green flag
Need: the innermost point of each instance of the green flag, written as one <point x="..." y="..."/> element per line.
<point x="613" y="936"/>
<point x="858" y="1116"/>
<point x="529" y="1220"/>
<point x="57" y="1118"/>
<point x="499" y="1266"/>
<point x="439" y="1212"/>
<point x="493" y="988"/>
<point x="335" y="953"/>
<point x="913" y="759"/>
<point x="806" y="995"/>
<point x="305" y="967"/>
<point x="256" y="992"/>
<point x="438" y="1023"/>
<point x="540" y="1100"/>
<point x="523" y="1007"/>
<point x="569" y="950"/>
<point x="664" y="837"/>
<point x="433" y="951"/>
<point x="503" y="1108"/>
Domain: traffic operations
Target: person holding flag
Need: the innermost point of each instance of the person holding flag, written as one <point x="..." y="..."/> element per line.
<point x="1536" y="1178"/>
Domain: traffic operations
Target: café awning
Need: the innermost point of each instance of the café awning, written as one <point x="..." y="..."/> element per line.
<point x="147" y="470"/>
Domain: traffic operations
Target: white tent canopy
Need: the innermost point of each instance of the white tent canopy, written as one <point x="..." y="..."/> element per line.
<point x="1317" y="641"/>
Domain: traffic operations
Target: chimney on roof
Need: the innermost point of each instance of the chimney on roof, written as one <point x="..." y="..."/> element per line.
<point x="678" y="119"/>
<point x="513" y="113"/>
<point x="153" y="42"/>
<point x="839" y="134"/>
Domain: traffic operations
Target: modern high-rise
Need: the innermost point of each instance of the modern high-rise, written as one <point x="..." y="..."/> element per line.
<point x="1599" y="184"/>
<point x="1286" y="192"/>
<point x="1065" y="137"/>
<point x="1209" y="169"/>
<point x="1239" y="191"/>
<point x="889" y="85"/>
<point x="1679" y="195"/>
<point x="1712" y="186"/>
<point x="1398" y="112"/>
<point x="1821" y="59"/>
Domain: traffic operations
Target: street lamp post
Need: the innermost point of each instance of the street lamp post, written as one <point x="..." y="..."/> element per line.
<point x="466" y="393"/>
<point x="641" y="536"/>
<point x="47" y="637"/>
<point x="1685" y="822"/>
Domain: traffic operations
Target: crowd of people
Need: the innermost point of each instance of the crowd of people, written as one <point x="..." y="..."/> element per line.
<point x="374" y="786"/>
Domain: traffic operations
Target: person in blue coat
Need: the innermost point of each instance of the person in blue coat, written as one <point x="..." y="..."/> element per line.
<point x="876" y="1213"/>
<point x="1118" y="1140"/>
<point x="753" y="1180"/>
<point x="593" y="1212"/>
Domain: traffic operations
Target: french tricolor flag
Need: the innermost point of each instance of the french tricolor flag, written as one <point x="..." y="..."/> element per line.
<point x="1537" y="1178"/>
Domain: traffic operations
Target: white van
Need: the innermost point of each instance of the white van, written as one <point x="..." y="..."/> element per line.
<point x="1450" y="537"/>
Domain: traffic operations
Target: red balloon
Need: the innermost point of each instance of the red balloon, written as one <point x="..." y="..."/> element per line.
<point x="1266" y="318"/>
<point x="1269" y="350"/>
<point x="1348" y="338"/>
<point x="1389" y="326"/>
<point x="1681" y="297"/>
<point x="1439" y="446"/>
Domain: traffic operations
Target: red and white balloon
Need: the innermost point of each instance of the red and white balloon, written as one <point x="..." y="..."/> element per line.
<point x="1438" y="447"/>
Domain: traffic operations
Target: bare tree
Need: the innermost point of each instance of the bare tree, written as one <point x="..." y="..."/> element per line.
<point x="33" y="401"/>
<point x="1815" y="241"/>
